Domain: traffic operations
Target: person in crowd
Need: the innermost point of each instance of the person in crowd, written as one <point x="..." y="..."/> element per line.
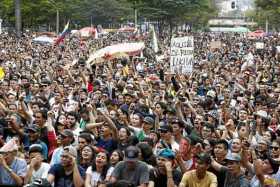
<point x="67" y="172"/>
<point x="12" y="169"/>
<point x="37" y="169"/>
<point x="100" y="170"/>
<point x="165" y="174"/>
<point x="131" y="169"/>
<point x="200" y="176"/>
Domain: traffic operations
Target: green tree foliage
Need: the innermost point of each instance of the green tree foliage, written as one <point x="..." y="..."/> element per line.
<point x="82" y="12"/>
<point x="268" y="10"/>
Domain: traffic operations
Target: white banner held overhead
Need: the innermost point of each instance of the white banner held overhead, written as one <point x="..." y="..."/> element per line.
<point x="259" y="45"/>
<point x="181" y="55"/>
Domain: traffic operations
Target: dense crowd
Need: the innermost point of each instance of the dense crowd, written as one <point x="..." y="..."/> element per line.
<point x="131" y="122"/>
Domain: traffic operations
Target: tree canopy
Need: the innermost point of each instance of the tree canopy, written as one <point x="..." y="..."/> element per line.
<point x="82" y="12"/>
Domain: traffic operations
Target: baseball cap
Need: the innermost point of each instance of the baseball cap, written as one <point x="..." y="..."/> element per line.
<point x="166" y="153"/>
<point x="131" y="153"/>
<point x="233" y="157"/>
<point x="149" y="120"/>
<point x="67" y="133"/>
<point x="33" y="128"/>
<point x="211" y="93"/>
<point x="71" y="150"/>
<point x="35" y="148"/>
<point x="204" y="157"/>
<point x="165" y="128"/>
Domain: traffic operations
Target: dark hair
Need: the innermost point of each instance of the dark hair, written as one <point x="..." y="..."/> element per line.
<point x="147" y="153"/>
<point x="120" y="153"/>
<point x="224" y="142"/>
<point x="127" y="130"/>
<point x="105" y="168"/>
<point x="72" y="114"/>
<point x="86" y="136"/>
<point x="44" y="113"/>
<point x="93" y="153"/>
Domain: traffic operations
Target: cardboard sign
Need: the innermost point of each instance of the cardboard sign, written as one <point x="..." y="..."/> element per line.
<point x="181" y="55"/>
<point x="259" y="45"/>
<point x="215" y="44"/>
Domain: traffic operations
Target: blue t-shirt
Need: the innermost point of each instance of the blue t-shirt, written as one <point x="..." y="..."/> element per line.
<point x="19" y="166"/>
<point x="109" y="145"/>
<point x="61" y="179"/>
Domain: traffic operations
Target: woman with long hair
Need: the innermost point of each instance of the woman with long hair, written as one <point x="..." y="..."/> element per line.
<point x="99" y="171"/>
<point x="87" y="156"/>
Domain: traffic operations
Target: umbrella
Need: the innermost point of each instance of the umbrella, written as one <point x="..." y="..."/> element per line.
<point x="116" y="51"/>
<point x="43" y="39"/>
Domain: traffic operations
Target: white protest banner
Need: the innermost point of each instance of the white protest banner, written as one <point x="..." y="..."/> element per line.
<point x="259" y="45"/>
<point x="181" y="55"/>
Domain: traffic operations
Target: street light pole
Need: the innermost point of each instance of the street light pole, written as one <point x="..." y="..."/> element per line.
<point x="18" y="17"/>
<point x="57" y="21"/>
<point x="57" y="15"/>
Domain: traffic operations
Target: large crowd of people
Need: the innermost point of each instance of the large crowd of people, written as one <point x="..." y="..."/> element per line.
<point x="130" y="122"/>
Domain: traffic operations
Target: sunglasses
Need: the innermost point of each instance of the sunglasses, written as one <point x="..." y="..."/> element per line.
<point x="274" y="148"/>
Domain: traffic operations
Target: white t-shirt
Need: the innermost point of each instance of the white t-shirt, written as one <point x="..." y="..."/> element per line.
<point x="42" y="172"/>
<point x="95" y="176"/>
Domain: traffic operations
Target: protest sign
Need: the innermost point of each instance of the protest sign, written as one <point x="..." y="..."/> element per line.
<point x="181" y="55"/>
<point x="259" y="45"/>
<point x="278" y="49"/>
<point x="215" y="44"/>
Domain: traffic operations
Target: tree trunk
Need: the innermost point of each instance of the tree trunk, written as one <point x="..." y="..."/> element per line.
<point x="18" y="17"/>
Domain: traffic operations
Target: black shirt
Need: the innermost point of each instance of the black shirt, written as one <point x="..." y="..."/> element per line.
<point x="160" y="179"/>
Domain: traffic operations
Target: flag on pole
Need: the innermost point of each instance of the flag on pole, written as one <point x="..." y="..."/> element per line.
<point x="63" y="34"/>
<point x="154" y="39"/>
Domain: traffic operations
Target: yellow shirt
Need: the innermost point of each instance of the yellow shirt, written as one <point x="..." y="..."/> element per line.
<point x="190" y="180"/>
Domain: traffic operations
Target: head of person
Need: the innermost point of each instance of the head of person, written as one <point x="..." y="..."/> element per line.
<point x="270" y="166"/>
<point x="262" y="145"/>
<point x="243" y="114"/>
<point x="164" y="156"/>
<point x="136" y="119"/>
<point x="275" y="149"/>
<point x="177" y="126"/>
<point x="9" y="151"/>
<point x="83" y="140"/>
<point x="40" y="117"/>
<point x="131" y="156"/>
<point x="68" y="156"/>
<point x="67" y="137"/>
<point x="165" y="131"/>
<point x="203" y="163"/>
<point x="146" y="153"/>
<point x="116" y="156"/>
<point x="233" y="163"/>
<point x="102" y="161"/>
<point x="198" y="122"/>
<point x="71" y="119"/>
<point x="236" y="145"/>
<point x="36" y="152"/>
<point x="105" y="130"/>
<point x="221" y="149"/>
<point x="33" y="133"/>
<point x="124" y="134"/>
<point x="148" y="123"/>
<point x="88" y="153"/>
<point x="206" y="131"/>
<point x="185" y="147"/>
<point x="242" y="130"/>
